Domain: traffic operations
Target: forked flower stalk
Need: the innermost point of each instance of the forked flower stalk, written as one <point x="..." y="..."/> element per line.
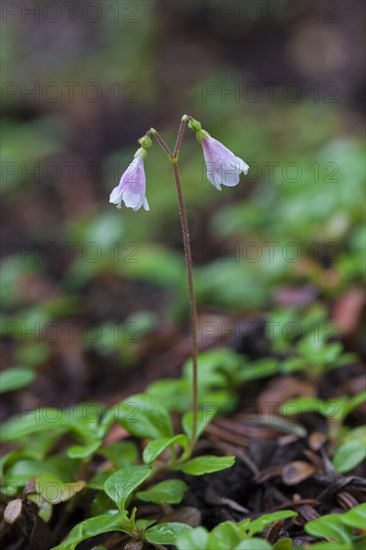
<point x="223" y="168"/>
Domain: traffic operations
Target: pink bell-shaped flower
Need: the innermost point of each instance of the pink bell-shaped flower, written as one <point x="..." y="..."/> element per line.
<point x="223" y="167"/>
<point x="132" y="186"/>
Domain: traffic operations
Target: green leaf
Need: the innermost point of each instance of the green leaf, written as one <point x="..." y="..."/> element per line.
<point x="121" y="453"/>
<point x="206" y="464"/>
<point x="196" y="539"/>
<point x="318" y="352"/>
<point x="68" y="468"/>
<point x="225" y="535"/>
<point x="260" y="369"/>
<point x="143" y="417"/>
<point x="120" y="485"/>
<point x="331" y="352"/>
<point x="354" y="402"/>
<point x="23" y="470"/>
<point x="53" y="490"/>
<point x="75" y="420"/>
<point x="254" y="544"/>
<point x="91" y="528"/>
<point x="167" y="492"/>
<point x="252" y="527"/>
<point x="166" y="533"/>
<point x="35" y="447"/>
<point x="173" y="392"/>
<point x="154" y="256"/>
<point x="293" y="364"/>
<point x="351" y="450"/>
<point x="331" y="410"/>
<point x="45" y="509"/>
<point x="32" y="422"/>
<point x="329" y="527"/>
<point x="218" y="367"/>
<point x="15" y="378"/>
<point x="33" y="353"/>
<point x="155" y="448"/>
<point x="356" y="517"/>
<point x="283" y="544"/>
<point x="83" y="451"/>
<point x="144" y="524"/>
<point x="101" y="504"/>
<point x="98" y="480"/>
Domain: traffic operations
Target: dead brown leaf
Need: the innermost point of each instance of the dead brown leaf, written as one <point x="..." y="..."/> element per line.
<point x="295" y="472"/>
<point x="13" y="510"/>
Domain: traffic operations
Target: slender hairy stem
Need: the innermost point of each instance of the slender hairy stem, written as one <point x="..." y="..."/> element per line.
<point x="161" y="142"/>
<point x="192" y="300"/>
<point x="189" y="266"/>
<point x="182" y="127"/>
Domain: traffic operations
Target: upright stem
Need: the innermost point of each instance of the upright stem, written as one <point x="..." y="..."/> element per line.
<point x="192" y="300"/>
<point x="189" y="266"/>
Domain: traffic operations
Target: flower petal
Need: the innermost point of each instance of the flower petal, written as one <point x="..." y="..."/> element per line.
<point x="145" y="204"/>
<point x="231" y="175"/>
<point x="116" y="195"/>
<point x="243" y="166"/>
<point x="215" y="178"/>
<point x="132" y="199"/>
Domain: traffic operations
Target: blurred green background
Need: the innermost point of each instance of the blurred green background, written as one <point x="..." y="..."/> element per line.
<point x="89" y="290"/>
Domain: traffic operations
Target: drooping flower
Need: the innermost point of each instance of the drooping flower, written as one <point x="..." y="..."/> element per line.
<point x="223" y="167"/>
<point x="132" y="186"/>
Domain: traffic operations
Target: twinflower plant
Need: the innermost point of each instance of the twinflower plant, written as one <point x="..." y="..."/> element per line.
<point x="223" y="168"/>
